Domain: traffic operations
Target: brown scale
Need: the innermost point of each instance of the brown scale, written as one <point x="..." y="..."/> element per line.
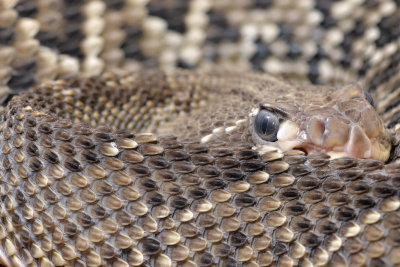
<point x="74" y="194"/>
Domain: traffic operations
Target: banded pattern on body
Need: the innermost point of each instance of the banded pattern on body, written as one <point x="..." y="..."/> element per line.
<point x="83" y="184"/>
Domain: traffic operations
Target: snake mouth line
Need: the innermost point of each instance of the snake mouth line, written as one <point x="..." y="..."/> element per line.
<point x="356" y="145"/>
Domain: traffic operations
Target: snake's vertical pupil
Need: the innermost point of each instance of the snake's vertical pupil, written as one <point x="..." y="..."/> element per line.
<point x="266" y="125"/>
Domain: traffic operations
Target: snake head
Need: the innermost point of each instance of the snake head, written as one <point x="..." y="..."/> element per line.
<point x="339" y="122"/>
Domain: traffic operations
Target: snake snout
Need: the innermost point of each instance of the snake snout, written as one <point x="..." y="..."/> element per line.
<point x="340" y="139"/>
<point x="350" y="128"/>
<point x="335" y="137"/>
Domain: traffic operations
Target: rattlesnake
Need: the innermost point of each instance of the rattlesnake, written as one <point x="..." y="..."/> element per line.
<point x="116" y="157"/>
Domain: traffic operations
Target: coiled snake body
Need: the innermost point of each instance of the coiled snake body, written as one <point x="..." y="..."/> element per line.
<point x="107" y="163"/>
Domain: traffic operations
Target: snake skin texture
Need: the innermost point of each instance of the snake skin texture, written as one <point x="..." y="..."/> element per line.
<point x="83" y="182"/>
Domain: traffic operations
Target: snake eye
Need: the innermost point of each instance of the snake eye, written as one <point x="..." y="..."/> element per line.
<point x="369" y="98"/>
<point x="266" y="125"/>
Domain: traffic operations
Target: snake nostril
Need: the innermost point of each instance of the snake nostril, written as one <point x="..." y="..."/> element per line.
<point x="369" y="98"/>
